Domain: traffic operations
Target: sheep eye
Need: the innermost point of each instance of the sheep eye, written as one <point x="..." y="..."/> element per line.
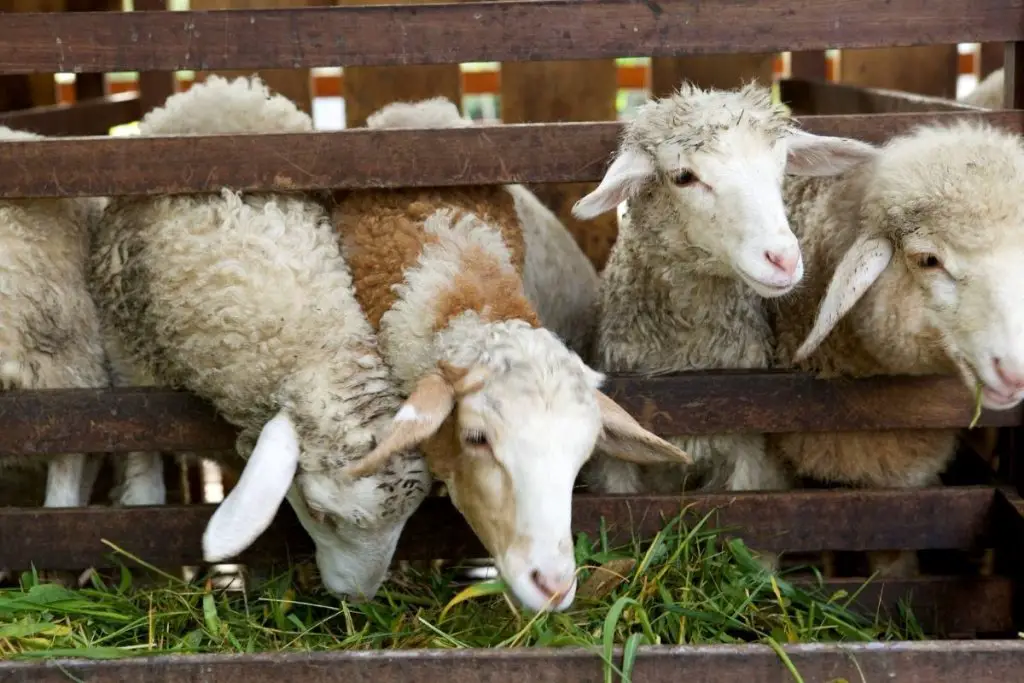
<point x="475" y="439"/>
<point x="684" y="178"/>
<point x="929" y="261"/>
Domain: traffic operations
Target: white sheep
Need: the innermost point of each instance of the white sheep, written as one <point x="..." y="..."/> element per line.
<point x="245" y="300"/>
<point x="49" y="330"/>
<point x="559" y="279"/>
<point x="913" y="267"/>
<point x="503" y="411"/>
<point x="704" y="241"/>
<point x="988" y="93"/>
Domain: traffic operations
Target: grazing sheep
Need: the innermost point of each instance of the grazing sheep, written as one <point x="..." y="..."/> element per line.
<point x="504" y="413"/>
<point x="245" y="300"/>
<point x="988" y="93"/>
<point x="559" y="279"/>
<point x="703" y="242"/>
<point x="913" y="268"/>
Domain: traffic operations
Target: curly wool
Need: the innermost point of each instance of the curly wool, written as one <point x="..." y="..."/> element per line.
<point x="49" y="330"/>
<point x="666" y="305"/>
<point x="246" y="301"/>
<point x="560" y="281"/>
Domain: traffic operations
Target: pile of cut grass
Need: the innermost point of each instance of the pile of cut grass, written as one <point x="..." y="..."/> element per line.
<point x="686" y="586"/>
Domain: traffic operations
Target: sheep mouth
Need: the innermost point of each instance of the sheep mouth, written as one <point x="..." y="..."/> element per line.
<point x="765" y="288"/>
<point x="992" y="397"/>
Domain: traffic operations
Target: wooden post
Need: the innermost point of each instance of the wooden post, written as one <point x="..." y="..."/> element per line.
<point x="544" y="92"/>
<point x="295" y="84"/>
<point x="24" y="91"/>
<point x="926" y="70"/>
<point x="810" y="65"/>
<point x="154" y="86"/>
<point x="710" y="71"/>
<point x="1013" y="79"/>
<point x="990" y="57"/>
<point x="368" y="88"/>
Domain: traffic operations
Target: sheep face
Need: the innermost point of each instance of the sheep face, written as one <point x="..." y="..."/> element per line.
<point x="506" y="422"/>
<point x="939" y="261"/>
<point x="705" y="169"/>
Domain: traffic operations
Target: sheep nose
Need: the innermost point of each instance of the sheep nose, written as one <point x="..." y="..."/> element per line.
<point x="1012" y="377"/>
<point x="785" y="262"/>
<point x="555" y="589"/>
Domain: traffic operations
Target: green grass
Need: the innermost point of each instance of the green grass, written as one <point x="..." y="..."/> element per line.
<point x="686" y="586"/>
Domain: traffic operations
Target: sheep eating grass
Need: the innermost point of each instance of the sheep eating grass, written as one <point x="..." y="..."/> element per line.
<point x="245" y="300"/>
<point x="503" y="411"/>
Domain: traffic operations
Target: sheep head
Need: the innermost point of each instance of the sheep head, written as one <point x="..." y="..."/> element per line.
<point x="506" y="421"/>
<point x="709" y="165"/>
<point x="938" y="260"/>
<point x="300" y="455"/>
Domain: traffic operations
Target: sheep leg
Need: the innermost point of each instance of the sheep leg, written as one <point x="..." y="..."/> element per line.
<point x="142" y="479"/>
<point x="64" y="484"/>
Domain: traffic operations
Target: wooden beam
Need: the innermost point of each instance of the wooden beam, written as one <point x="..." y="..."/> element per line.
<point x="820" y="98"/>
<point x="572" y="152"/>
<point x="125" y="420"/>
<point x="514" y="30"/>
<point x="949" y="518"/>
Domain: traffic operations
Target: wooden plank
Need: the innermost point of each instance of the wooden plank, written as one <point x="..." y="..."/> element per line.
<point x="905" y="662"/>
<point x="821" y="98"/>
<point x="87" y="117"/>
<point x="541" y="92"/>
<point x="954" y="518"/>
<point x="572" y="152"/>
<point x="128" y="419"/>
<point x="367" y="89"/>
<point x="514" y="30"/>
<point x="926" y="70"/>
<point x="155" y="85"/>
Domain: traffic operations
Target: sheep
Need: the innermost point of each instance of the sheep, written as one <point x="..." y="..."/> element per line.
<point x="704" y="242"/>
<point x="504" y="413"/>
<point x="560" y="281"/>
<point x="49" y="331"/>
<point x="913" y="268"/>
<point x="988" y="93"/>
<point x="246" y="301"/>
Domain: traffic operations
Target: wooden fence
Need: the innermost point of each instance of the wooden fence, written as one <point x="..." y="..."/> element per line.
<point x="983" y="511"/>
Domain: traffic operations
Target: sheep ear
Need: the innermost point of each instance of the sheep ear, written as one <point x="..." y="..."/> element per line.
<point x="821" y="155"/>
<point x="418" y="419"/>
<point x="857" y="271"/>
<point x="622" y="180"/>
<point x="624" y="438"/>
<point x="249" y="509"/>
